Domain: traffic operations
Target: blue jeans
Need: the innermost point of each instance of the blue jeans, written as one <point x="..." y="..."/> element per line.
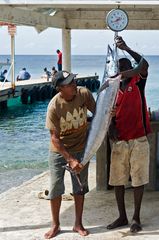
<point x="59" y="67"/>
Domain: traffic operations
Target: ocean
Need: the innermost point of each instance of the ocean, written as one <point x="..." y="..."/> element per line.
<point x="24" y="140"/>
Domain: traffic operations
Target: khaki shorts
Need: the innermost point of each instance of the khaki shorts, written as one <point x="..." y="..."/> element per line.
<point x="130" y="158"/>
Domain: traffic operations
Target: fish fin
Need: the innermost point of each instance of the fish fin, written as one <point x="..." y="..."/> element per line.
<point x="109" y="49"/>
<point x="104" y="86"/>
<point x="106" y="83"/>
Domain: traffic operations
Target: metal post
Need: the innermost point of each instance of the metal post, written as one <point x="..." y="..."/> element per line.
<point x="13" y="61"/>
<point x="12" y="32"/>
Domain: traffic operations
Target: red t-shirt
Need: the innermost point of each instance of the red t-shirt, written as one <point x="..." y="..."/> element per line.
<point x="132" y="120"/>
<point x="59" y="58"/>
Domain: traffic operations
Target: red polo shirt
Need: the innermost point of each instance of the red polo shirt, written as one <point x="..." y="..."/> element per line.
<point x="132" y="120"/>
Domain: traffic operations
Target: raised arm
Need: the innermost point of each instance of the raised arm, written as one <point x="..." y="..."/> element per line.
<point x="123" y="46"/>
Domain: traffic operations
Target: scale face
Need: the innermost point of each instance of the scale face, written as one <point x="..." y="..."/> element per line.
<point x="117" y="20"/>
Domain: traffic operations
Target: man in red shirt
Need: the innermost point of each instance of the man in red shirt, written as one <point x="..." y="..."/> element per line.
<point x="128" y="130"/>
<point x="59" y="61"/>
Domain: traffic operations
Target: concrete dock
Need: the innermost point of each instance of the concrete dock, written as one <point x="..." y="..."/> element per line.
<point x="23" y="216"/>
<point x="7" y="92"/>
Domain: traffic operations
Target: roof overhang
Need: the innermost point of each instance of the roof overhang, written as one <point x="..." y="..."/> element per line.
<point x="143" y="15"/>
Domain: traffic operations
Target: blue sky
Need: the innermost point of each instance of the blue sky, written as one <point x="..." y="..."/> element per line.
<point x="94" y="42"/>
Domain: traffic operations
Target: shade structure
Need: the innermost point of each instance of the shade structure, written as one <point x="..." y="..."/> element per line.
<point x="78" y="14"/>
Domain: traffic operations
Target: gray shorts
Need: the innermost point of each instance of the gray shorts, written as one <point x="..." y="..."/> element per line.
<point x="57" y="187"/>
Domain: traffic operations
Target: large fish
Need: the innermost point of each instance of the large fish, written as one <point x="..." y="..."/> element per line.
<point x="104" y="104"/>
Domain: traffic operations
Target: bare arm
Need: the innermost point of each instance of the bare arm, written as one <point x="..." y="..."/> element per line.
<point x="73" y="162"/>
<point x="122" y="45"/>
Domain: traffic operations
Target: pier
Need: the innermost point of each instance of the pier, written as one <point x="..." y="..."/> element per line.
<point x="40" y="89"/>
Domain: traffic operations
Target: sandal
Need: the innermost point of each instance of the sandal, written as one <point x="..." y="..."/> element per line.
<point x="135" y="226"/>
<point x="67" y="197"/>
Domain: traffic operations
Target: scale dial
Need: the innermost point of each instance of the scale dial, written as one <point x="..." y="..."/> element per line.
<point x="117" y="20"/>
